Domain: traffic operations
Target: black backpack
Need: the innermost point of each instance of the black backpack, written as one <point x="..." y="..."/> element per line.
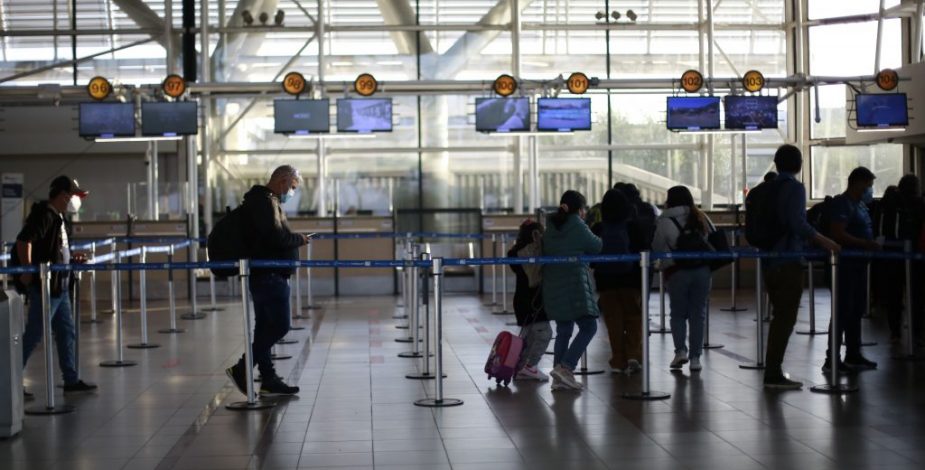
<point x="227" y="241"/>
<point x="691" y="240"/>
<point x="763" y="226"/>
<point x="819" y="216"/>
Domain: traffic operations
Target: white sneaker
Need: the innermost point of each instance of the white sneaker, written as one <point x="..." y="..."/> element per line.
<point x="679" y="360"/>
<point x="558" y="385"/>
<point x="633" y="366"/>
<point x="696" y="366"/>
<point x="566" y="377"/>
<point x="531" y="373"/>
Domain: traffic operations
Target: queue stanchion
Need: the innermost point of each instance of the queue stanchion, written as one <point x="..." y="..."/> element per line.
<point x="502" y="308"/>
<point x="403" y="289"/>
<point x="93" y="319"/>
<point x="734" y="270"/>
<point x="706" y="330"/>
<point x="309" y="297"/>
<point x="171" y="296"/>
<point x="759" y="319"/>
<point x="213" y="306"/>
<point x="50" y="407"/>
<point x="297" y="315"/>
<point x="117" y="308"/>
<point x="438" y="401"/>
<point x="425" y="373"/>
<point x="400" y="303"/>
<point x="494" y="272"/>
<point x="415" y="320"/>
<point x="645" y="393"/>
<point x="662" y="328"/>
<point x="812" y="331"/>
<point x="835" y="386"/>
<point x="867" y="313"/>
<point x="4" y="263"/>
<point x="293" y="308"/>
<point x="143" y="301"/>
<point x="194" y="313"/>
<point x="253" y="401"/>
<point x="583" y="367"/>
<point x="409" y="308"/>
<point x="908" y="336"/>
<point x="75" y="316"/>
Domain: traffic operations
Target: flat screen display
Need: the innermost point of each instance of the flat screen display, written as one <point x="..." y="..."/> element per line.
<point x="502" y="114"/>
<point x="169" y="119"/>
<point x="882" y="110"/>
<point x="364" y="115"/>
<point x="301" y="117"/>
<point x="693" y="113"/>
<point x="751" y="112"/>
<point x="106" y="120"/>
<point x="563" y="114"/>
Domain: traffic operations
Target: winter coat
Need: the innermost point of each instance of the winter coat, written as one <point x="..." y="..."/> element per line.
<point x="568" y="293"/>
<point x="269" y="236"/>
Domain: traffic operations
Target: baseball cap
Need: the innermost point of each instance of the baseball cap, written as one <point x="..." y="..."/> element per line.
<point x="66" y="184"/>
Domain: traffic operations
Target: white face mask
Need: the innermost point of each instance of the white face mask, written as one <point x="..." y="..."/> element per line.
<point x="74" y="204"/>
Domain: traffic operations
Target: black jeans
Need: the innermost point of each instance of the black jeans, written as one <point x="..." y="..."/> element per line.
<point x="785" y="287"/>
<point x="270" y="296"/>
<point x="852" y="297"/>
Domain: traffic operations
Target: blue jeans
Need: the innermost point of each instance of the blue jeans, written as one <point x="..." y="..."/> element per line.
<point x="62" y="327"/>
<point x="270" y="295"/>
<point x="688" y="291"/>
<point x="568" y="354"/>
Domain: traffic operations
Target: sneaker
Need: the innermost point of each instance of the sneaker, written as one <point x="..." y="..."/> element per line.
<point x="531" y="373"/>
<point x="566" y="377"/>
<point x="679" y="360"/>
<point x="696" y="366"/>
<point x="782" y="382"/>
<point x="558" y="385"/>
<point x="842" y="367"/>
<point x="276" y="386"/>
<point x="238" y="377"/>
<point x="633" y="366"/>
<point x="27" y="395"/>
<point x="860" y="362"/>
<point x="79" y="386"/>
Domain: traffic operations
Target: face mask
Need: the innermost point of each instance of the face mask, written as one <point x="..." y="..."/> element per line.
<point x="74" y="205"/>
<point x="286" y="196"/>
<point x="868" y="196"/>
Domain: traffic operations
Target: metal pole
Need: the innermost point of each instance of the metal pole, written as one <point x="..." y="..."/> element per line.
<point x="502" y="310"/>
<point x="734" y="267"/>
<point x="415" y="321"/>
<point x="309" y="299"/>
<point x="117" y="308"/>
<point x="759" y="310"/>
<point x="646" y="393"/>
<point x="50" y="408"/>
<point x="171" y="296"/>
<point x="295" y="310"/>
<point x="253" y="402"/>
<point x="406" y="293"/>
<point x="194" y="313"/>
<point x="4" y="252"/>
<point x="661" y="304"/>
<point x="494" y="272"/>
<point x="298" y="297"/>
<point x="908" y="340"/>
<point x="75" y="314"/>
<point x="93" y="318"/>
<point x="812" y="331"/>
<point x="834" y="386"/>
<point x="706" y="331"/>
<point x="877" y="51"/>
<point x="426" y="354"/>
<point x="143" y="286"/>
<point x="439" y="400"/>
<point x="867" y="313"/>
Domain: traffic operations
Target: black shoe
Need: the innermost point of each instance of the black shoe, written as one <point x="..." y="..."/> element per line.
<point x="238" y="377"/>
<point x="860" y="362"/>
<point x="27" y="395"/>
<point x="843" y="368"/>
<point x="782" y="382"/>
<point x="276" y="386"/>
<point x="79" y="386"/>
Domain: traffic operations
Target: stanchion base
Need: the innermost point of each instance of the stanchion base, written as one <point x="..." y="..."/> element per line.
<point x="280" y="357"/>
<point x="403" y="327"/>
<point x="752" y="366"/>
<point x="91" y="321"/>
<point x="587" y="372"/>
<point x="296" y="328"/>
<point x="660" y="331"/>
<point x="434" y="403"/>
<point x="410" y="355"/>
<point x="813" y="332"/>
<point x="399" y="317"/>
<point x="551" y="353"/>
<point x="171" y="330"/>
<point x="213" y="309"/>
<point x="192" y="316"/>
<point x="510" y="323"/>
<point x="143" y="346"/>
<point x="311" y="307"/>
<point x="834" y="389"/>
<point x="301" y="317"/>
<point x="287" y="341"/>
<point x="868" y="343"/>
<point x="118" y="363"/>
<point x="502" y="312"/>
<point x="733" y="309"/>
<point x="422" y="376"/>
<point x="713" y="346"/>
<point x="244" y="406"/>
<point x="651" y="395"/>
<point x="492" y="304"/>
<point x="46" y="410"/>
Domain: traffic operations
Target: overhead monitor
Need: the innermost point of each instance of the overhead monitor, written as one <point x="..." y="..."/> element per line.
<point x="750" y="112"/>
<point x="563" y="114"/>
<point x="693" y="113"/>
<point x="301" y="117"/>
<point x="364" y="115"/>
<point x="882" y="110"/>
<point x="502" y="114"/>
<point x="106" y="120"/>
<point x="169" y="119"/>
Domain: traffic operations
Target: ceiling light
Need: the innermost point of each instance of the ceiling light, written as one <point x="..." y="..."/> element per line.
<point x="615" y="15"/>
<point x="264" y="17"/>
<point x="600" y="15"/>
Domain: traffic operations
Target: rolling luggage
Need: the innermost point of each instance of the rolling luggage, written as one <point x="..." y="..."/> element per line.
<point x="504" y="356"/>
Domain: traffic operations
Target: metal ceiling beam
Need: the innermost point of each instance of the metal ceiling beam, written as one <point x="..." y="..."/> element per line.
<point x="240" y="38"/>
<point x="144" y="17"/>
<point x="401" y="13"/>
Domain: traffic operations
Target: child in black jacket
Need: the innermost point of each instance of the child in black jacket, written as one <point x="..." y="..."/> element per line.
<point x="528" y="302"/>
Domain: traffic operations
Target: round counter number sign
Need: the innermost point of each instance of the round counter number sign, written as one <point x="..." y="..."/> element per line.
<point x="294" y="83"/>
<point x="578" y="83"/>
<point x="365" y="84"/>
<point x="99" y="88"/>
<point x="887" y="79"/>
<point x="753" y="81"/>
<point x="174" y="86"/>
<point x="505" y="85"/>
<point x="691" y="81"/>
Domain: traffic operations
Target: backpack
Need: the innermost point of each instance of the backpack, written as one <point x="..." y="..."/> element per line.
<point x="616" y="238"/>
<point x="690" y="240"/>
<point x="763" y="226"/>
<point x="226" y="241"/>
<point x="819" y="216"/>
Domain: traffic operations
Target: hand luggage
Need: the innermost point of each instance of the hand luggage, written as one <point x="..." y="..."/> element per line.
<point x="504" y="357"/>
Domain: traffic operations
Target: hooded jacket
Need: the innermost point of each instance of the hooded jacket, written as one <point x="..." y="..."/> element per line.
<point x="568" y="293"/>
<point x="269" y="236"/>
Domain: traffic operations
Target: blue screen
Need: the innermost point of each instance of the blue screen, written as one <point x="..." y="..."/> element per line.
<point x="364" y="115"/>
<point x="882" y="110"/>
<point x="301" y="116"/>
<point x="169" y="119"/>
<point x="751" y="112"/>
<point x="693" y="112"/>
<point x="502" y="114"/>
<point x="106" y="119"/>
<point x="563" y="114"/>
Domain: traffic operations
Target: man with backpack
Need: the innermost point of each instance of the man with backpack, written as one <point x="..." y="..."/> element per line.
<point x="267" y="237"/>
<point x="776" y="221"/>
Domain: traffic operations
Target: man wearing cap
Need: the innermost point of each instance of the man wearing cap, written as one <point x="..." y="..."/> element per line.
<point x="44" y="238"/>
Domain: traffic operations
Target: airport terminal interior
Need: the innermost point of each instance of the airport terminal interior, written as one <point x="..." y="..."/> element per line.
<point x="411" y="143"/>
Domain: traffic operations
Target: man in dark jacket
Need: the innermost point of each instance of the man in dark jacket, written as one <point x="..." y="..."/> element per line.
<point x="268" y="237"/>
<point x="44" y="239"/>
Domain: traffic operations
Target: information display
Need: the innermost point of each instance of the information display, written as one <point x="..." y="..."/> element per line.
<point x="502" y="114"/>
<point x="882" y="110"/>
<point x="693" y="113"/>
<point x="106" y="120"/>
<point x="563" y="114"/>
<point x="169" y="119"/>
<point x="364" y="115"/>
<point x="750" y="112"/>
<point x="301" y="117"/>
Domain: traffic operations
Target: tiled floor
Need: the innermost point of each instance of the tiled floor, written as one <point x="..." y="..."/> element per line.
<point x="355" y="410"/>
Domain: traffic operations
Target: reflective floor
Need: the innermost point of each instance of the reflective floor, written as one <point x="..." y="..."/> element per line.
<point x="355" y="410"/>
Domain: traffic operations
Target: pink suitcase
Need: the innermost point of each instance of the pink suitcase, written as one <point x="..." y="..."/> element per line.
<point x="504" y="356"/>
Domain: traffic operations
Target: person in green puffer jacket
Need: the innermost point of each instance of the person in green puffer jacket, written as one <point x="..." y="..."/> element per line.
<point x="568" y="293"/>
